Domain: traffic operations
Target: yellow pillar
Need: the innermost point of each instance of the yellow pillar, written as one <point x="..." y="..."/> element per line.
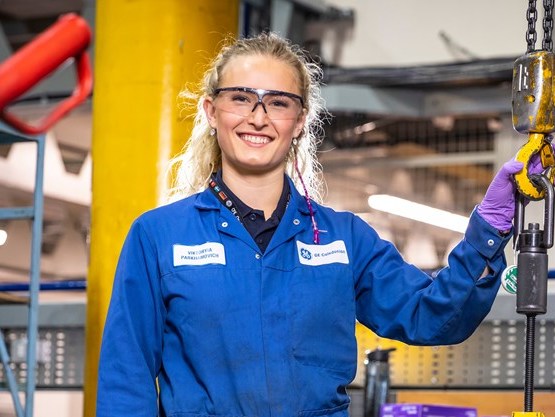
<point x="146" y="51"/>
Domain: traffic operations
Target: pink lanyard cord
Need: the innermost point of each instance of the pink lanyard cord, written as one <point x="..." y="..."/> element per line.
<point x="309" y="204"/>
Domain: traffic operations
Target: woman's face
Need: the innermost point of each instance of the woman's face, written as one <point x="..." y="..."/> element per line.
<point x="254" y="143"/>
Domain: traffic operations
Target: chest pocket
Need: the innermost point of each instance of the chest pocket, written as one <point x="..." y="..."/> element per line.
<point x="323" y="317"/>
<point x="209" y="294"/>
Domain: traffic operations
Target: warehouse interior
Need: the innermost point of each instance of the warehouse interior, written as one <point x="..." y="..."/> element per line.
<point x="419" y="107"/>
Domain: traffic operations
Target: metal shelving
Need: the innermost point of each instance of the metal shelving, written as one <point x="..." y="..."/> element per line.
<point x="35" y="214"/>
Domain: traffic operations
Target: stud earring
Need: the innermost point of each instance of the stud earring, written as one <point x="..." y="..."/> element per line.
<point x="212" y="132"/>
<point x="295" y="141"/>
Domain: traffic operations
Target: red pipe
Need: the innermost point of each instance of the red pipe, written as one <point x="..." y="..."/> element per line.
<point x="68" y="38"/>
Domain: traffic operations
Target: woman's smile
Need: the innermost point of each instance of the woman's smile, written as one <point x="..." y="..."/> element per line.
<point x="256" y="139"/>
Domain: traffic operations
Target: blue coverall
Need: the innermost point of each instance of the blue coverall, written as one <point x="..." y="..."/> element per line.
<point x="231" y="332"/>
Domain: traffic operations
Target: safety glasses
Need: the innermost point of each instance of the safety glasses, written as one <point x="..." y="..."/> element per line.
<point x="242" y="101"/>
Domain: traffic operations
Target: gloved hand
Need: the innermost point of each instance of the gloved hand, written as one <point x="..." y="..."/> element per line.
<point x="498" y="205"/>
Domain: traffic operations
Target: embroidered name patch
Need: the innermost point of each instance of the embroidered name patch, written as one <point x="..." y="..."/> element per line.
<point x="334" y="252"/>
<point x="207" y="253"/>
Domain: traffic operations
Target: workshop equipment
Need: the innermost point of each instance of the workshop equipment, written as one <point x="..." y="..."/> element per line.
<point x="68" y="38"/>
<point x="534" y="114"/>
<point x="533" y="109"/>
<point x="376" y="388"/>
<point x="532" y="266"/>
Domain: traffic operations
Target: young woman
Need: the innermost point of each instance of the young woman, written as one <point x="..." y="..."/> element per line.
<point x="240" y="298"/>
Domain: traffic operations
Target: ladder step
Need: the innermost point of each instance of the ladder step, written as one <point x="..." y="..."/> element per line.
<point x="15" y="213"/>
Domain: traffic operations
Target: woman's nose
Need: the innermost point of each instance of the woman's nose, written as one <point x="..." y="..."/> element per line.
<point x="258" y="115"/>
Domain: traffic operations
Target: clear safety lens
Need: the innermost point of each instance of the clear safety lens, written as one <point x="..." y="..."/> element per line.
<point x="276" y="104"/>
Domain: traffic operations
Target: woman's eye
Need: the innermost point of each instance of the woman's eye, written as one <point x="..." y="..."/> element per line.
<point x="240" y="98"/>
<point x="279" y="103"/>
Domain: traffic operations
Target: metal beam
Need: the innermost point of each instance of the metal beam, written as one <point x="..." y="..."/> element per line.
<point x="474" y="100"/>
<point x="366" y="157"/>
<point x="364" y="99"/>
<point x="50" y="315"/>
<point x="417" y="102"/>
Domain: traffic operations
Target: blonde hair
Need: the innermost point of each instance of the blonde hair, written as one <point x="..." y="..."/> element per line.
<point x="189" y="171"/>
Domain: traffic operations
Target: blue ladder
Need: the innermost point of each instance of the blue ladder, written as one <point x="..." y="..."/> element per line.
<point x="35" y="213"/>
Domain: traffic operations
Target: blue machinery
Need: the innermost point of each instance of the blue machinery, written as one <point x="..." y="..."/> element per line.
<point x="34" y="213"/>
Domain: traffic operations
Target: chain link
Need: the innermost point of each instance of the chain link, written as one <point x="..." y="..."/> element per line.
<point x="547" y="44"/>
<point x="531" y="17"/>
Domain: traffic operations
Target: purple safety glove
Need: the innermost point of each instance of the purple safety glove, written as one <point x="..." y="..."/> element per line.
<point x="498" y="205"/>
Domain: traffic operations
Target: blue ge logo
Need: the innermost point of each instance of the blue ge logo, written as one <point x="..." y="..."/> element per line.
<point x="305" y="253"/>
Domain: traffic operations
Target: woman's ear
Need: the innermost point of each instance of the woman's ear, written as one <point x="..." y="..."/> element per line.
<point x="210" y="111"/>
<point x="299" y="126"/>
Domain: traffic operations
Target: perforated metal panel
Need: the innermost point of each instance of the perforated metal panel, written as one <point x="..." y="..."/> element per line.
<point x="60" y="344"/>
<point x="60" y="355"/>
<point x="493" y="357"/>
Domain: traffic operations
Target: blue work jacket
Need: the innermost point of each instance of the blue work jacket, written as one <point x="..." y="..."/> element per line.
<point x="228" y="331"/>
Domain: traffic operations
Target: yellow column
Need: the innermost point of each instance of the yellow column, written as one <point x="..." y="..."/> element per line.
<point x="146" y="51"/>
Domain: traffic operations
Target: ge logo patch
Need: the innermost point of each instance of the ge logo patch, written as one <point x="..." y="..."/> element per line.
<point x="305" y="253"/>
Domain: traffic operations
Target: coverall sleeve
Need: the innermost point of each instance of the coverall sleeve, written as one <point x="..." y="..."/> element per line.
<point x="396" y="300"/>
<point x="132" y="342"/>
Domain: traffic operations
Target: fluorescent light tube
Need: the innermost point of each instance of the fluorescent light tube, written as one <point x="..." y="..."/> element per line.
<point x="418" y="212"/>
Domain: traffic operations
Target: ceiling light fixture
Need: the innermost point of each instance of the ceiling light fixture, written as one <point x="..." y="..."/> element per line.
<point x="3" y="237"/>
<point x="418" y="212"/>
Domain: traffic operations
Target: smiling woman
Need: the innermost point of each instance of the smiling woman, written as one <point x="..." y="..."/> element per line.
<point x="241" y="297"/>
<point x="243" y="73"/>
<point x="255" y="139"/>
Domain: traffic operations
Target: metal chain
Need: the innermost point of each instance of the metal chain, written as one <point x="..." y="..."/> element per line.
<point x="531" y="17"/>
<point x="547" y="44"/>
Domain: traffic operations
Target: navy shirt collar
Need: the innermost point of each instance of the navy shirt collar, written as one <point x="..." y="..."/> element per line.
<point x="245" y="210"/>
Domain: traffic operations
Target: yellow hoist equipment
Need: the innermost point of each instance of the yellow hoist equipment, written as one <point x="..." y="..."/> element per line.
<point x="533" y="104"/>
<point x="533" y="110"/>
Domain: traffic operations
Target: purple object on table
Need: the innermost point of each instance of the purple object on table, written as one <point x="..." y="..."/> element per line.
<point x="426" y="410"/>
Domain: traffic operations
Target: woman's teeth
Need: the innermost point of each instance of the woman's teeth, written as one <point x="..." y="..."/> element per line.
<point x="255" y="139"/>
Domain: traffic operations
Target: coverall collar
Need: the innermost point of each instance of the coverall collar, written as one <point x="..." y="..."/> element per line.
<point x="206" y="200"/>
<point x="291" y="224"/>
